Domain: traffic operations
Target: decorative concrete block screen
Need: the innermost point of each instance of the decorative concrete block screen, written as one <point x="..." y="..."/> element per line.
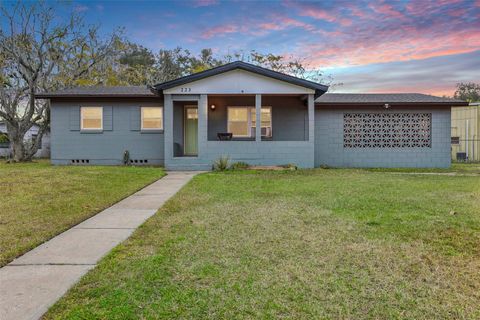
<point x="387" y="130"/>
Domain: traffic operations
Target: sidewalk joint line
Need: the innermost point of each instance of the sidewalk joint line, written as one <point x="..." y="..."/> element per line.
<point x="100" y="228"/>
<point x="48" y="264"/>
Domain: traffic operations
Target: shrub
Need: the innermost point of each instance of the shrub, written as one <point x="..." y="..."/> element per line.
<point x="3" y="138"/>
<point x="239" y="165"/>
<point x="221" y="164"/>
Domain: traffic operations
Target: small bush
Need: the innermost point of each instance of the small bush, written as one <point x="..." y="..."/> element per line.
<point x="239" y="165"/>
<point x="221" y="164"/>
<point x="4" y="138"/>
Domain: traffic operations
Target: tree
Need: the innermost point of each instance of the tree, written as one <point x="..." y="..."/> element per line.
<point x="41" y="53"/>
<point x="467" y="91"/>
<point x="178" y="62"/>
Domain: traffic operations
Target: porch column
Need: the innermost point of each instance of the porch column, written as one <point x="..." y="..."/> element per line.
<point x="258" y="117"/>
<point x="202" y="124"/>
<point x="168" y="127"/>
<point x="311" y="118"/>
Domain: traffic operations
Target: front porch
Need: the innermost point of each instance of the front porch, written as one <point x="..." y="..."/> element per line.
<point x="286" y="133"/>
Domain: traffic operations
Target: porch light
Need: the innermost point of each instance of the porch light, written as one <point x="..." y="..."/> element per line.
<point x="212" y="107"/>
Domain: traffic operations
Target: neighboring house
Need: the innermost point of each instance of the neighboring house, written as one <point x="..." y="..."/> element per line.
<point x="187" y="123"/>
<point x="466" y="133"/>
<point x="43" y="151"/>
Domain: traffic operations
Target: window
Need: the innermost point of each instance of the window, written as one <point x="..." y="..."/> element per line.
<point x="242" y="122"/>
<point x="387" y="130"/>
<point x="91" y="118"/>
<point x="455" y="140"/>
<point x="266" y="121"/>
<point x="34" y="136"/>
<point x="152" y="118"/>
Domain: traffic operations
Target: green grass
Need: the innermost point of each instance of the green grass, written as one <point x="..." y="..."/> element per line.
<point x="328" y="244"/>
<point x="39" y="201"/>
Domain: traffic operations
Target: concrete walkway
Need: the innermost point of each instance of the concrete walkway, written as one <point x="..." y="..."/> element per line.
<point x="32" y="283"/>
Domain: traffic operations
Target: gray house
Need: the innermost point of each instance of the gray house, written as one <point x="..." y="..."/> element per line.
<point x="187" y="123"/>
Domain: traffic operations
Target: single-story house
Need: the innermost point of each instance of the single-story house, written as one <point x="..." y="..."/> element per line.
<point x="43" y="150"/>
<point x="187" y="123"/>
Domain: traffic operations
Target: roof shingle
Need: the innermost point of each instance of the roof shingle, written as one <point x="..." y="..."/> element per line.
<point x="100" y="91"/>
<point x="382" y="98"/>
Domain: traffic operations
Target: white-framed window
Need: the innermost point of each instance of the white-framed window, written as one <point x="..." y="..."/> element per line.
<point x="91" y="118"/>
<point x="241" y="121"/>
<point x="152" y="118"/>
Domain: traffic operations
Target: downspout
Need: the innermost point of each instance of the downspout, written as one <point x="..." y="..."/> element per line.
<point x="466" y="139"/>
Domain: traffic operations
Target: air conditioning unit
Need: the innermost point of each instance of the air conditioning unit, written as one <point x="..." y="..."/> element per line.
<point x="461" y="156"/>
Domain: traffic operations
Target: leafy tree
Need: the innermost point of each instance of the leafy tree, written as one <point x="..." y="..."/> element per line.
<point x="41" y="53"/>
<point x="467" y="91"/>
<point x="178" y="62"/>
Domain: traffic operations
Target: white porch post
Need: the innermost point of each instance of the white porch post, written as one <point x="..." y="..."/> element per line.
<point x="311" y="118"/>
<point x="168" y="127"/>
<point x="258" y="117"/>
<point x="202" y="124"/>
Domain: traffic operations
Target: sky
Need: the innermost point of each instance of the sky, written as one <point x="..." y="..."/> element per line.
<point x="369" y="46"/>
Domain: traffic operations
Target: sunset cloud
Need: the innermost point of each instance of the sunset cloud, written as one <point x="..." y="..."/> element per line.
<point x="337" y="35"/>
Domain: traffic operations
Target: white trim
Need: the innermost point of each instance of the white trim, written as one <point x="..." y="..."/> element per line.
<point x="141" y="119"/>
<point x="81" y="118"/>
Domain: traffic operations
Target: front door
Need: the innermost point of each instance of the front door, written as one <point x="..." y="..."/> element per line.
<point x="191" y="131"/>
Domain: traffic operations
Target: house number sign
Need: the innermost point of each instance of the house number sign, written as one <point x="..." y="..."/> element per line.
<point x="185" y="89"/>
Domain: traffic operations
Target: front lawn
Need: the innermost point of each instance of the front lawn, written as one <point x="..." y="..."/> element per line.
<point x="39" y="201"/>
<point x="333" y="244"/>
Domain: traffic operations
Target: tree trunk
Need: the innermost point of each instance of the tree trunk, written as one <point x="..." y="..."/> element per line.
<point x="18" y="149"/>
<point x="15" y="135"/>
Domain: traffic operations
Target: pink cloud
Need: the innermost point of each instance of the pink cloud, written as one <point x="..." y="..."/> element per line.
<point x="275" y="22"/>
<point x="282" y="22"/>
<point x="219" y="31"/>
<point x="419" y="8"/>
<point x="320" y="14"/>
<point x="386" y="10"/>
<point x="408" y="47"/>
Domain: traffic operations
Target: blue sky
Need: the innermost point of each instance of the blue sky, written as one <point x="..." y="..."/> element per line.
<point x="369" y="46"/>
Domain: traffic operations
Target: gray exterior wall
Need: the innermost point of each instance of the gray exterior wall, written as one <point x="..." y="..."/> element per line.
<point x="329" y="148"/>
<point x="121" y="132"/>
<point x="289" y="116"/>
<point x="292" y="142"/>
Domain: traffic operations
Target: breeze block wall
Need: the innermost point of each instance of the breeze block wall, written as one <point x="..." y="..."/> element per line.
<point x="121" y="131"/>
<point x="331" y="151"/>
